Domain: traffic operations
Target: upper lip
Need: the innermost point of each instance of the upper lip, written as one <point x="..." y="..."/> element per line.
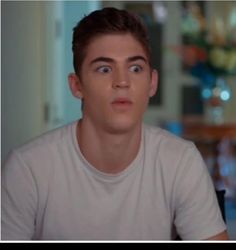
<point x="122" y="99"/>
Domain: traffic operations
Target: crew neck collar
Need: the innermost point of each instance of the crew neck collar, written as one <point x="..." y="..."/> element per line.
<point x="102" y="175"/>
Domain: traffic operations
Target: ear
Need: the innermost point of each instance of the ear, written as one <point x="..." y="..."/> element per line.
<point x="75" y="85"/>
<point x="154" y="83"/>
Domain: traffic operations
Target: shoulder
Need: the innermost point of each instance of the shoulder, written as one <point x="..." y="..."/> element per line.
<point x="162" y="140"/>
<point x="172" y="155"/>
<point x="43" y="151"/>
<point x="49" y="139"/>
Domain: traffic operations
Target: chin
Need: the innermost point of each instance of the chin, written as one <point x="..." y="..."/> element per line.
<point x="122" y="126"/>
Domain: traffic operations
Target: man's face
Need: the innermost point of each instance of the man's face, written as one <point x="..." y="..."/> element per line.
<point x="116" y="82"/>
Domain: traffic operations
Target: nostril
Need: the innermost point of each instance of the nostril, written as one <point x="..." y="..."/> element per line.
<point x="121" y="84"/>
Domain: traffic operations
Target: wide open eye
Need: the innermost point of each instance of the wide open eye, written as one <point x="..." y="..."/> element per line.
<point x="136" y="68"/>
<point x="104" y="69"/>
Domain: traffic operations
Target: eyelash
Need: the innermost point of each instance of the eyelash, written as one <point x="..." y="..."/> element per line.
<point x="101" y="68"/>
<point x="140" y="68"/>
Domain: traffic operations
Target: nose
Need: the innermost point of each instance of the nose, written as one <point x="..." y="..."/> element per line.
<point x="121" y="80"/>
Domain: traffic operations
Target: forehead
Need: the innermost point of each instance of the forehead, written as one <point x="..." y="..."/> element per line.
<point x="116" y="46"/>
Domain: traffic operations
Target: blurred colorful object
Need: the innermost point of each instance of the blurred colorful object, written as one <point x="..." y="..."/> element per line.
<point x="209" y="54"/>
<point x="209" y="48"/>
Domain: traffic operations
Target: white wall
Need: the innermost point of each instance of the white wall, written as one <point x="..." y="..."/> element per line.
<point x="22" y="91"/>
<point x="73" y="12"/>
<point x="53" y="61"/>
<point x="36" y="59"/>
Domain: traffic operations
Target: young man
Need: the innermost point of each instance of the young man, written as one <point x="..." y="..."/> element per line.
<point x="108" y="176"/>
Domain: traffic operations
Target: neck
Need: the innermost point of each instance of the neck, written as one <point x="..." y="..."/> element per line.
<point x="109" y="153"/>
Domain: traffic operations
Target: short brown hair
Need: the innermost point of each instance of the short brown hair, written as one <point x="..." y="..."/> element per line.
<point x="106" y="21"/>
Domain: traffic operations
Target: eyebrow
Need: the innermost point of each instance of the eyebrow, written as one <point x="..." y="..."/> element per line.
<point x="110" y="60"/>
<point x="102" y="59"/>
<point x="135" y="58"/>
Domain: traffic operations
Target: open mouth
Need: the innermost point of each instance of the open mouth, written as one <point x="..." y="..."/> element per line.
<point x="122" y="103"/>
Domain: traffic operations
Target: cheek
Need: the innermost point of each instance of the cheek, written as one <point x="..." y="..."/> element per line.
<point x="95" y="96"/>
<point x="143" y="90"/>
<point x="90" y="88"/>
<point x="142" y="100"/>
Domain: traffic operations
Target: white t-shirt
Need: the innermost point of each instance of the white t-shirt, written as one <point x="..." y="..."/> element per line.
<point x="51" y="192"/>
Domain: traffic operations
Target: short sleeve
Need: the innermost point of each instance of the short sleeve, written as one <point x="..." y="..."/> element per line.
<point x="19" y="200"/>
<point x="197" y="213"/>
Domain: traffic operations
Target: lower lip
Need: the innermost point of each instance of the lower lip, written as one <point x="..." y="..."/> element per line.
<point x="121" y="105"/>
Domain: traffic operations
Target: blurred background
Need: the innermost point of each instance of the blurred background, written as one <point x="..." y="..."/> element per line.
<point x="193" y="48"/>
